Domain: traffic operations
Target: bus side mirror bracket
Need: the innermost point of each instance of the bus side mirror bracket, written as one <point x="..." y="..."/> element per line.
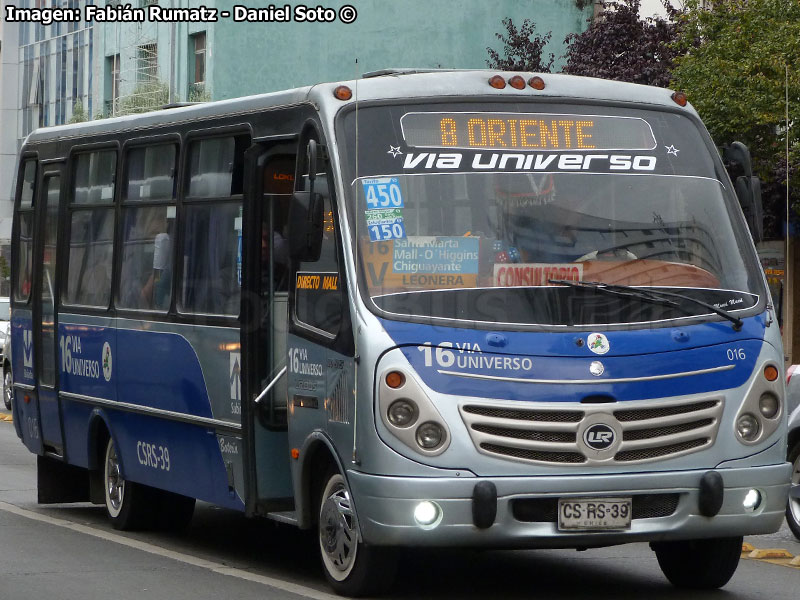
<point x="306" y="215"/>
<point x="748" y="189"/>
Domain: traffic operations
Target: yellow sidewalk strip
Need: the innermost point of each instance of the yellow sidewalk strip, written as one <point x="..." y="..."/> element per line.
<point x="746" y="547"/>
<point x="771" y="553"/>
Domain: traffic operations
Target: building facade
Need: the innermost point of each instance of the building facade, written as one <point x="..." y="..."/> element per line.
<point x="47" y="78"/>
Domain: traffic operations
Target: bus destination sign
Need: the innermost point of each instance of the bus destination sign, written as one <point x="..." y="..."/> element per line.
<point x="526" y="131"/>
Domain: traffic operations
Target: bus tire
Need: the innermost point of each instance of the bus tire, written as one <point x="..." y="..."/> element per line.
<point x="8" y="386"/>
<point x="126" y="502"/>
<point x="793" y="504"/>
<point x="699" y="564"/>
<point x="351" y="567"/>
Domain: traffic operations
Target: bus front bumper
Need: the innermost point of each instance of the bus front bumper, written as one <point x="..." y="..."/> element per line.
<point x="526" y="508"/>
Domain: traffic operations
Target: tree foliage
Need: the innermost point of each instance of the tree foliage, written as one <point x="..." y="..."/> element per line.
<point x="620" y="45"/>
<point x="523" y="49"/>
<point x="734" y="68"/>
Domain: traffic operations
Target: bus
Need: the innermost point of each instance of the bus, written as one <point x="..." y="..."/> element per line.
<point x="417" y="309"/>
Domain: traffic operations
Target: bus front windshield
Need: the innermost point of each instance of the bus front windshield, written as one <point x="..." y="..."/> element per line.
<point x="493" y="215"/>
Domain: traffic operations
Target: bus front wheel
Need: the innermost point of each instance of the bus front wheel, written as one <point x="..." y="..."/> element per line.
<point x="699" y="564"/>
<point x="352" y="568"/>
<point x="793" y="505"/>
<point x="126" y="502"/>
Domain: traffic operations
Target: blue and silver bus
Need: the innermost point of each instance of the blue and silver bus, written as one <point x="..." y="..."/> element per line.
<point x="417" y="309"/>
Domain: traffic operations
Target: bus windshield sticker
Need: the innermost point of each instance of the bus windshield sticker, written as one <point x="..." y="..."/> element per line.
<point x="383" y="192"/>
<point x="424" y="262"/>
<point x="534" y="274"/>
<point x="385" y="224"/>
<point x="526" y="131"/>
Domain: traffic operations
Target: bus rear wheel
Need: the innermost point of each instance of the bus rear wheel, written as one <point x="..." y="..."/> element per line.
<point x="699" y="564"/>
<point x="352" y="568"/>
<point x="126" y="501"/>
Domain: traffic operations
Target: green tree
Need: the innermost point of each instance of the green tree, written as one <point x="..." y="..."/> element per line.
<point x="733" y="67"/>
<point x="78" y="113"/>
<point x="523" y="49"/>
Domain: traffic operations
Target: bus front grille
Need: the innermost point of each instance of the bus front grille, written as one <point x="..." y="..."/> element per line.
<point x="554" y="433"/>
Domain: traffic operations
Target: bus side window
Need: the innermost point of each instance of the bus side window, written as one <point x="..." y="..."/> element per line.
<point x="318" y="285"/>
<point x="23" y="271"/>
<point x="148" y="216"/>
<point x="91" y="236"/>
<point x="212" y="228"/>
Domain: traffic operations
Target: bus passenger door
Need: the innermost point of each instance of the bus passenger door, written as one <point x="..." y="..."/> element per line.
<point x="269" y="171"/>
<point x="45" y="338"/>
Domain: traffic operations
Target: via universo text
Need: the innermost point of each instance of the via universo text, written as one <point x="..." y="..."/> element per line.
<point x="125" y="13"/>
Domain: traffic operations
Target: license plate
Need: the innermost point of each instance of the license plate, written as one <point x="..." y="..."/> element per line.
<point x="588" y="514"/>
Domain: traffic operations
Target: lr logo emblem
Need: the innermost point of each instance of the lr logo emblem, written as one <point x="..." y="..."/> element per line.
<point x="598" y="436"/>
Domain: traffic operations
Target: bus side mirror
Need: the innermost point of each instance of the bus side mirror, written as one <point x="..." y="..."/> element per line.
<point x="748" y="189"/>
<point x="306" y="216"/>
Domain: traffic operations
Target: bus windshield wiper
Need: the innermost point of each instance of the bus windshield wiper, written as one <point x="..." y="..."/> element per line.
<point x="648" y="295"/>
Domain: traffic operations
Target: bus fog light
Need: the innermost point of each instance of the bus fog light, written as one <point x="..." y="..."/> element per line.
<point x="402" y="413"/>
<point x="768" y="405"/>
<point x="747" y="427"/>
<point x="427" y="514"/>
<point x="430" y="435"/>
<point x="752" y="500"/>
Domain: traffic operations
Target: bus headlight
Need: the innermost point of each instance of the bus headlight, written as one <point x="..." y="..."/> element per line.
<point x="402" y="413"/>
<point x="430" y="435"/>
<point x="768" y="405"/>
<point x="747" y="426"/>
<point x="407" y="411"/>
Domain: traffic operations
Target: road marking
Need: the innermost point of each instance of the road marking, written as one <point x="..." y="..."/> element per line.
<point x="7" y="418"/>
<point x="188" y="559"/>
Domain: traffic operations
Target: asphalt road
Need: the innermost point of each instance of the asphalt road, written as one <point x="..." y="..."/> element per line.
<point x="67" y="552"/>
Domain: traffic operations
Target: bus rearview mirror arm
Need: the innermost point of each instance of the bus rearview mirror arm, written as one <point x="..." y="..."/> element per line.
<point x="306" y="218"/>
<point x="748" y="189"/>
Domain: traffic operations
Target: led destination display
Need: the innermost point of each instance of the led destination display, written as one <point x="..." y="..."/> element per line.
<point x="526" y="131"/>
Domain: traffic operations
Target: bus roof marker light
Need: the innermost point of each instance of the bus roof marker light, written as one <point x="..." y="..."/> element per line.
<point x="497" y="82"/>
<point x="517" y="82"/>
<point x="536" y="83"/>
<point x="342" y="92"/>
<point x="680" y="98"/>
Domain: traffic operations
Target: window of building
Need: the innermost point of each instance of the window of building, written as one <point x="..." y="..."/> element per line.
<point x="198" y="49"/>
<point x="112" y="87"/>
<point x="212" y="229"/>
<point x="148" y="217"/>
<point x="91" y="238"/>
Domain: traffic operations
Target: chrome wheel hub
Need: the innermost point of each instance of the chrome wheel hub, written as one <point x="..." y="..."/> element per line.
<point x="337" y="531"/>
